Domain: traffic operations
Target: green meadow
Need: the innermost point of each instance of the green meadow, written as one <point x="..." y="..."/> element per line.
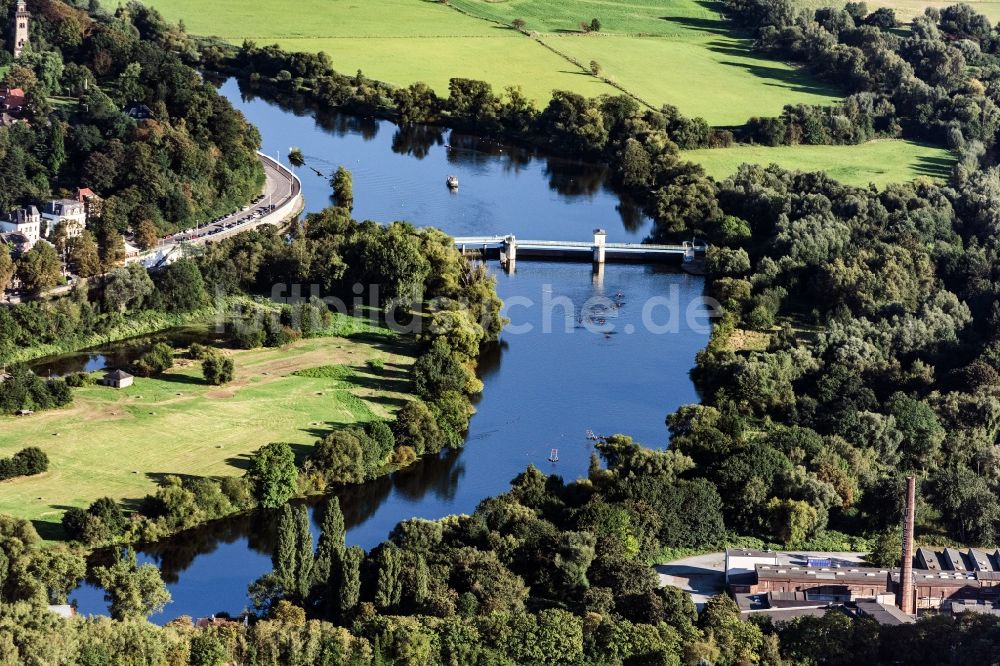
<point x="663" y="51"/>
<point x="119" y="443"/>
<point x="878" y="162"/>
<point x="680" y="52"/>
<point x="907" y="9"/>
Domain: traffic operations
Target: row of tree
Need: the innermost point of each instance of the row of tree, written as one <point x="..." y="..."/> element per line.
<point x="935" y="83"/>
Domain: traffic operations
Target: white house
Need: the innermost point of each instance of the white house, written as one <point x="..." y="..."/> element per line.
<point x="132" y="252"/>
<point x="118" y="379"/>
<point x="68" y="211"/>
<point x="25" y="221"/>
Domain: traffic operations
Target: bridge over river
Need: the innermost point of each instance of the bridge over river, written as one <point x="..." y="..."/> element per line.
<point x="689" y="255"/>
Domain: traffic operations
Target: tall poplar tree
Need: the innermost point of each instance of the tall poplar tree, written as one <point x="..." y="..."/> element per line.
<point x="285" y="551"/>
<point x="304" y="553"/>
<point x="389" y="585"/>
<point x="349" y="580"/>
<point x="331" y="545"/>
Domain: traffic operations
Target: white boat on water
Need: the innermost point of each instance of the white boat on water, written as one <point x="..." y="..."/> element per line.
<point x="453" y="182"/>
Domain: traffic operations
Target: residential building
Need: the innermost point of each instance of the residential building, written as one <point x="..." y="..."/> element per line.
<point x="132" y="252"/>
<point x="26" y="221"/>
<point x="92" y="203"/>
<point x="12" y="100"/>
<point x="17" y="243"/>
<point x="72" y="213"/>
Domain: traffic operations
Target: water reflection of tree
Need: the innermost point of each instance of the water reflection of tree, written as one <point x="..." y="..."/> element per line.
<point x="176" y="554"/>
<point x="332" y="121"/>
<point x="489" y="360"/>
<point x="467" y="149"/>
<point x="575" y="178"/>
<point x="632" y="216"/>
<point x="567" y="177"/>
<point x="416" y="140"/>
<point x="360" y="502"/>
<point x="438" y="474"/>
<point x="342" y="124"/>
<point x="119" y="354"/>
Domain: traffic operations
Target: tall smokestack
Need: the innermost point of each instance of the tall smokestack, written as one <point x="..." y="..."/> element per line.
<point x="906" y="603"/>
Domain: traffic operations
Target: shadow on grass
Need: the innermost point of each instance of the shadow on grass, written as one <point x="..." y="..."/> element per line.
<point x="715" y="26"/>
<point x="378" y="383"/>
<point x="401" y="345"/>
<point x="321" y="431"/>
<point x="387" y="401"/>
<point x="708" y="26"/>
<point x="391" y="371"/>
<point x="160" y="479"/>
<point x="789" y="79"/>
<point x="132" y="504"/>
<point x="729" y="49"/>
<point x="49" y="530"/>
<point x="934" y="167"/>
<point x="180" y="379"/>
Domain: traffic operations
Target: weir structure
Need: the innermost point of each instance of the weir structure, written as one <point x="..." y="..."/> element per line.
<point x="690" y="254"/>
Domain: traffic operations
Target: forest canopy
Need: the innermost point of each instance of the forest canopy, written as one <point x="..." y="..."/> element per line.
<point x="190" y="158"/>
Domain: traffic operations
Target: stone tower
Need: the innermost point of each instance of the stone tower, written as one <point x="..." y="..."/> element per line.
<point x="21" y="27"/>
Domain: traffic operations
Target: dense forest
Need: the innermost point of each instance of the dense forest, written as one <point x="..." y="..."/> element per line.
<point x="547" y="573"/>
<point x="857" y="343"/>
<point x="936" y="80"/>
<point x="193" y="159"/>
<point x="857" y="340"/>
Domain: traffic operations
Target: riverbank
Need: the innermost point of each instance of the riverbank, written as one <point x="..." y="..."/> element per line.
<point x="138" y="324"/>
<point x="121" y="443"/>
<point x="624" y="378"/>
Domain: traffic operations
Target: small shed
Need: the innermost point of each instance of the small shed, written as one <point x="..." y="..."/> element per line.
<point x="118" y="379"/>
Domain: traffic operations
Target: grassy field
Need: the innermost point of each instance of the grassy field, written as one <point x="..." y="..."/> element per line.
<point x="680" y="52"/>
<point x="907" y="9"/>
<point x="663" y="51"/>
<point x="715" y="77"/>
<point x="878" y="162"/>
<point x="118" y="443"/>
<point x="502" y="60"/>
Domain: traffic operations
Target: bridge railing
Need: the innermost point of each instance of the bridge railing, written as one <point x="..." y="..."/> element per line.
<point x="478" y="241"/>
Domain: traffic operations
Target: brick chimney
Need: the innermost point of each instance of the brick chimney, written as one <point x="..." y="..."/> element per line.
<point x="906" y="601"/>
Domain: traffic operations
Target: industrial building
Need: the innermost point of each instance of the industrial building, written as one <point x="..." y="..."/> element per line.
<point x="930" y="580"/>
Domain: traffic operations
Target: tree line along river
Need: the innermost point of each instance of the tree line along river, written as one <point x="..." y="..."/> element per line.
<point x="582" y="353"/>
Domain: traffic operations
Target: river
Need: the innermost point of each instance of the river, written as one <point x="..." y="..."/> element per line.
<point x="544" y="387"/>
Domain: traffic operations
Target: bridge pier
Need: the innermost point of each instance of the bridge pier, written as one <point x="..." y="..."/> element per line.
<point x="510" y="251"/>
<point x="599" y="237"/>
<point x="597" y="276"/>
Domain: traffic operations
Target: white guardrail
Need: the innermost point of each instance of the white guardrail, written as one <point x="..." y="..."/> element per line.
<point x="291" y="205"/>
